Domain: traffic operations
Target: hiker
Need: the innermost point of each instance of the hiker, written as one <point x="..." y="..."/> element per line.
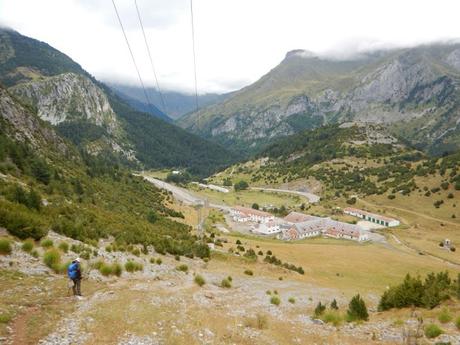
<point x="74" y="274"/>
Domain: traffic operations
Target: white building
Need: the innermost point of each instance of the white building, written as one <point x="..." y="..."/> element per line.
<point x="371" y="217"/>
<point x="318" y="226"/>
<point x="246" y="214"/>
<point x="268" y="228"/>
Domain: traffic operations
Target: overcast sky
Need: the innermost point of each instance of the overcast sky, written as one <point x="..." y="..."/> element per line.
<point x="237" y="41"/>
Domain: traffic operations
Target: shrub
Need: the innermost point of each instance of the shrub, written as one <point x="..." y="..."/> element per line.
<point x="457" y="322"/>
<point x="433" y="331"/>
<point x="5" y="247"/>
<point x="62" y="267"/>
<point x="5" y="318"/>
<point x="445" y="316"/>
<point x="351" y="201"/>
<point x="131" y="266"/>
<point x="275" y="300"/>
<point x="28" y="245"/>
<point x="159" y="261"/>
<point x="85" y="255"/>
<point x="136" y="252"/>
<point x="108" y="249"/>
<point x="21" y="223"/>
<point x="199" y="280"/>
<point x="152" y="260"/>
<point x="332" y="317"/>
<point x="291" y="300"/>
<point x="105" y="269"/>
<point x="241" y="185"/>
<point x="177" y="257"/>
<point x="64" y="247"/>
<point x="76" y="249"/>
<point x="97" y="265"/>
<point x="182" y="268"/>
<point x="357" y="309"/>
<point x="46" y="243"/>
<point x="34" y="253"/>
<point x="261" y="321"/>
<point x="248" y="272"/>
<point x="52" y="258"/>
<point x="225" y="283"/>
<point x="117" y="269"/>
<point x="450" y="196"/>
<point x="391" y="196"/>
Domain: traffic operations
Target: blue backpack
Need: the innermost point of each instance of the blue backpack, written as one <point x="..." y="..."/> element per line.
<point x="72" y="270"/>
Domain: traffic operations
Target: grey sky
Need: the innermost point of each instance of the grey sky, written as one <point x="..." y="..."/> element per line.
<point x="237" y="40"/>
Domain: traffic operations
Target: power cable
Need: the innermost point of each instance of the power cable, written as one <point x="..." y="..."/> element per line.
<point x="132" y="57"/>
<point x="150" y="57"/>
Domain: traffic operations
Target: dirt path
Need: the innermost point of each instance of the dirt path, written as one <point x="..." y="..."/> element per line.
<point x="19" y="326"/>
<point x="419" y="251"/>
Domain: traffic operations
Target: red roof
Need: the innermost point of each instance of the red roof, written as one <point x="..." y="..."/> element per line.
<point x="297" y="217"/>
<point x="251" y="211"/>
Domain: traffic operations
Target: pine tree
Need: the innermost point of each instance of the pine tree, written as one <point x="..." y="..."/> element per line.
<point x="319" y="310"/>
<point x="357" y="309"/>
<point x="334" y="305"/>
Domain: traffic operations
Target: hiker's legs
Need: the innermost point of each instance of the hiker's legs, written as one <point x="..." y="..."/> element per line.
<point x="74" y="287"/>
<point x="78" y="284"/>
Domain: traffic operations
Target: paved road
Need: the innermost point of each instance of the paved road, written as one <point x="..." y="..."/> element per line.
<point x="178" y="193"/>
<point x="311" y="197"/>
<point x="182" y="194"/>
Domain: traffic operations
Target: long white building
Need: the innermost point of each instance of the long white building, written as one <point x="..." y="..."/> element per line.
<point x="371" y="217"/>
<point x="246" y="214"/>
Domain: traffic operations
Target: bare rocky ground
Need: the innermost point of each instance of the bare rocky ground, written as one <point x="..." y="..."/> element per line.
<point x="162" y="305"/>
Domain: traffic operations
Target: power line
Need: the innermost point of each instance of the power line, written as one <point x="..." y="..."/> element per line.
<point x="194" y="57"/>
<point x="150" y="57"/>
<point x="132" y="57"/>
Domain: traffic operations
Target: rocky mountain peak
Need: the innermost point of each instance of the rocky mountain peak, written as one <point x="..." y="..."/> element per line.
<point x="300" y="53"/>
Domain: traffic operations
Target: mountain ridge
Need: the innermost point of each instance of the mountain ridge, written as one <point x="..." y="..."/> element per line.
<point x="397" y="86"/>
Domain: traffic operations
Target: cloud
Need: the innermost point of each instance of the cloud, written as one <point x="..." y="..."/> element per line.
<point x="237" y="41"/>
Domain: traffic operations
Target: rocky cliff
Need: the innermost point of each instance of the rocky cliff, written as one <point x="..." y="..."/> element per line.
<point x="402" y="88"/>
<point x="75" y="99"/>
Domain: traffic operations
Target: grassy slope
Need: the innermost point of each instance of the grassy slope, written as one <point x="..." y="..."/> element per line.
<point x="424" y="224"/>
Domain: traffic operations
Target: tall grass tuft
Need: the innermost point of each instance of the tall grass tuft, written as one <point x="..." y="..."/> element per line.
<point x="28" y="245"/>
<point x="225" y="283"/>
<point x="432" y="331"/>
<point x="52" y="259"/>
<point x="275" y="300"/>
<point x="47" y="243"/>
<point x="5" y="247"/>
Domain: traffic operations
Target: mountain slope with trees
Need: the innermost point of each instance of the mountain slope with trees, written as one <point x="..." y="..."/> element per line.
<point x="33" y="70"/>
